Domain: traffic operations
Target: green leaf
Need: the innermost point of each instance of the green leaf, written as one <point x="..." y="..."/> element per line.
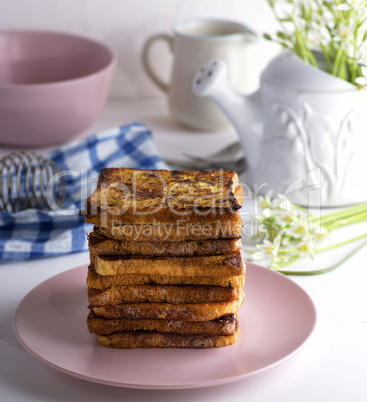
<point x="304" y="13"/>
<point x="267" y="36"/>
<point x="287" y="19"/>
<point x="286" y="45"/>
<point x="282" y="35"/>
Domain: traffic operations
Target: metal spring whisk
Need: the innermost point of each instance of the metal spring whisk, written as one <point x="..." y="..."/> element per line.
<point x="25" y="182"/>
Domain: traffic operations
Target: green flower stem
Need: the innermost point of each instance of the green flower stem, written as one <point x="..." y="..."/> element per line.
<point x="338" y="219"/>
<point x="285" y="261"/>
<point x="311" y="58"/>
<point x="361" y="215"/>
<point x="354" y="67"/>
<point x="343" y="243"/>
<point x="341" y="15"/>
<point x="326" y="248"/>
<point x="345" y="222"/>
<point x="301" y="48"/>
<point x="337" y="61"/>
<point x="343" y="69"/>
<point x="346" y="212"/>
<point x="327" y="56"/>
<point x="351" y="215"/>
<point x="288" y="250"/>
<point x="324" y="270"/>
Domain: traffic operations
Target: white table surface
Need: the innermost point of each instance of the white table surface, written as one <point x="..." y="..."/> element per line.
<point x="331" y="367"/>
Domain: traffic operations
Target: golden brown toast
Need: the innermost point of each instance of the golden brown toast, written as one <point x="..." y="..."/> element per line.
<point x="216" y="265"/>
<point x="97" y="281"/>
<point x="226" y="325"/>
<point x="176" y="232"/>
<point x="139" y="196"/>
<point x="166" y="311"/>
<point x="103" y="245"/>
<point x="152" y="293"/>
<point x="141" y="339"/>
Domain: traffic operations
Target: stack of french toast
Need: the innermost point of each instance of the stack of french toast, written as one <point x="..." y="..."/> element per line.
<point x="165" y="264"/>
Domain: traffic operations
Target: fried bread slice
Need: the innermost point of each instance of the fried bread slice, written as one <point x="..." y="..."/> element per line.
<point x="226" y="325"/>
<point x="175" y="232"/>
<point x="146" y="339"/>
<point x="99" y="244"/>
<point x="97" y="281"/>
<point x="152" y="293"/>
<point x="167" y="311"/>
<point x="217" y="265"/>
<point x="138" y="196"/>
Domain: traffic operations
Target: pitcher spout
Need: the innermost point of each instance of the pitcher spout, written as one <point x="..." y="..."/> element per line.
<point x="243" y="111"/>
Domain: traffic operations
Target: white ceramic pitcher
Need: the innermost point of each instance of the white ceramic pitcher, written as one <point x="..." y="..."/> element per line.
<point x="194" y="42"/>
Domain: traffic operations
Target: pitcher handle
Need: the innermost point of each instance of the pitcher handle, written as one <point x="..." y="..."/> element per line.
<point x="147" y="62"/>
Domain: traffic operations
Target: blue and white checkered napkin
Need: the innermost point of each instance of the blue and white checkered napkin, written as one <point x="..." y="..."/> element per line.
<point x="35" y="233"/>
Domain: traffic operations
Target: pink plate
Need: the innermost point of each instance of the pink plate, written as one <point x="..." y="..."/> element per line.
<point x="276" y="319"/>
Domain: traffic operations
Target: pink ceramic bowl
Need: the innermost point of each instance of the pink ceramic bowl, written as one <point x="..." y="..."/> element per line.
<point x="52" y="86"/>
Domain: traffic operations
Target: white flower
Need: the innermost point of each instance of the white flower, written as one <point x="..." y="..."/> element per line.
<point x="319" y="33"/>
<point x="343" y="33"/>
<point x="363" y="79"/>
<point x="288" y="207"/>
<point x="321" y="234"/>
<point x="349" y="4"/>
<point x="265" y="202"/>
<point x="281" y="201"/>
<point x="321" y="16"/>
<point x="298" y="230"/>
<point x="286" y="240"/>
<point x="318" y="231"/>
<point x="256" y="256"/>
<point x="274" y="215"/>
<point x="307" y="247"/>
<point x="362" y="54"/>
<point x="269" y="250"/>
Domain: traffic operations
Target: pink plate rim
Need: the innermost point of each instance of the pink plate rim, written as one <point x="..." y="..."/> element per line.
<point x="160" y="386"/>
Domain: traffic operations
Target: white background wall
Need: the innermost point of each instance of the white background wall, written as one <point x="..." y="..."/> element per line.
<point x="126" y="24"/>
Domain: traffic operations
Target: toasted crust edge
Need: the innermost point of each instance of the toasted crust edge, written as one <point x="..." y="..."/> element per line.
<point x="225" y="325"/>
<point x="152" y="293"/>
<point x="217" y="265"/>
<point x="99" y="244"/>
<point x="97" y="281"/>
<point x="166" y="311"/>
<point x="133" y="340"/>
